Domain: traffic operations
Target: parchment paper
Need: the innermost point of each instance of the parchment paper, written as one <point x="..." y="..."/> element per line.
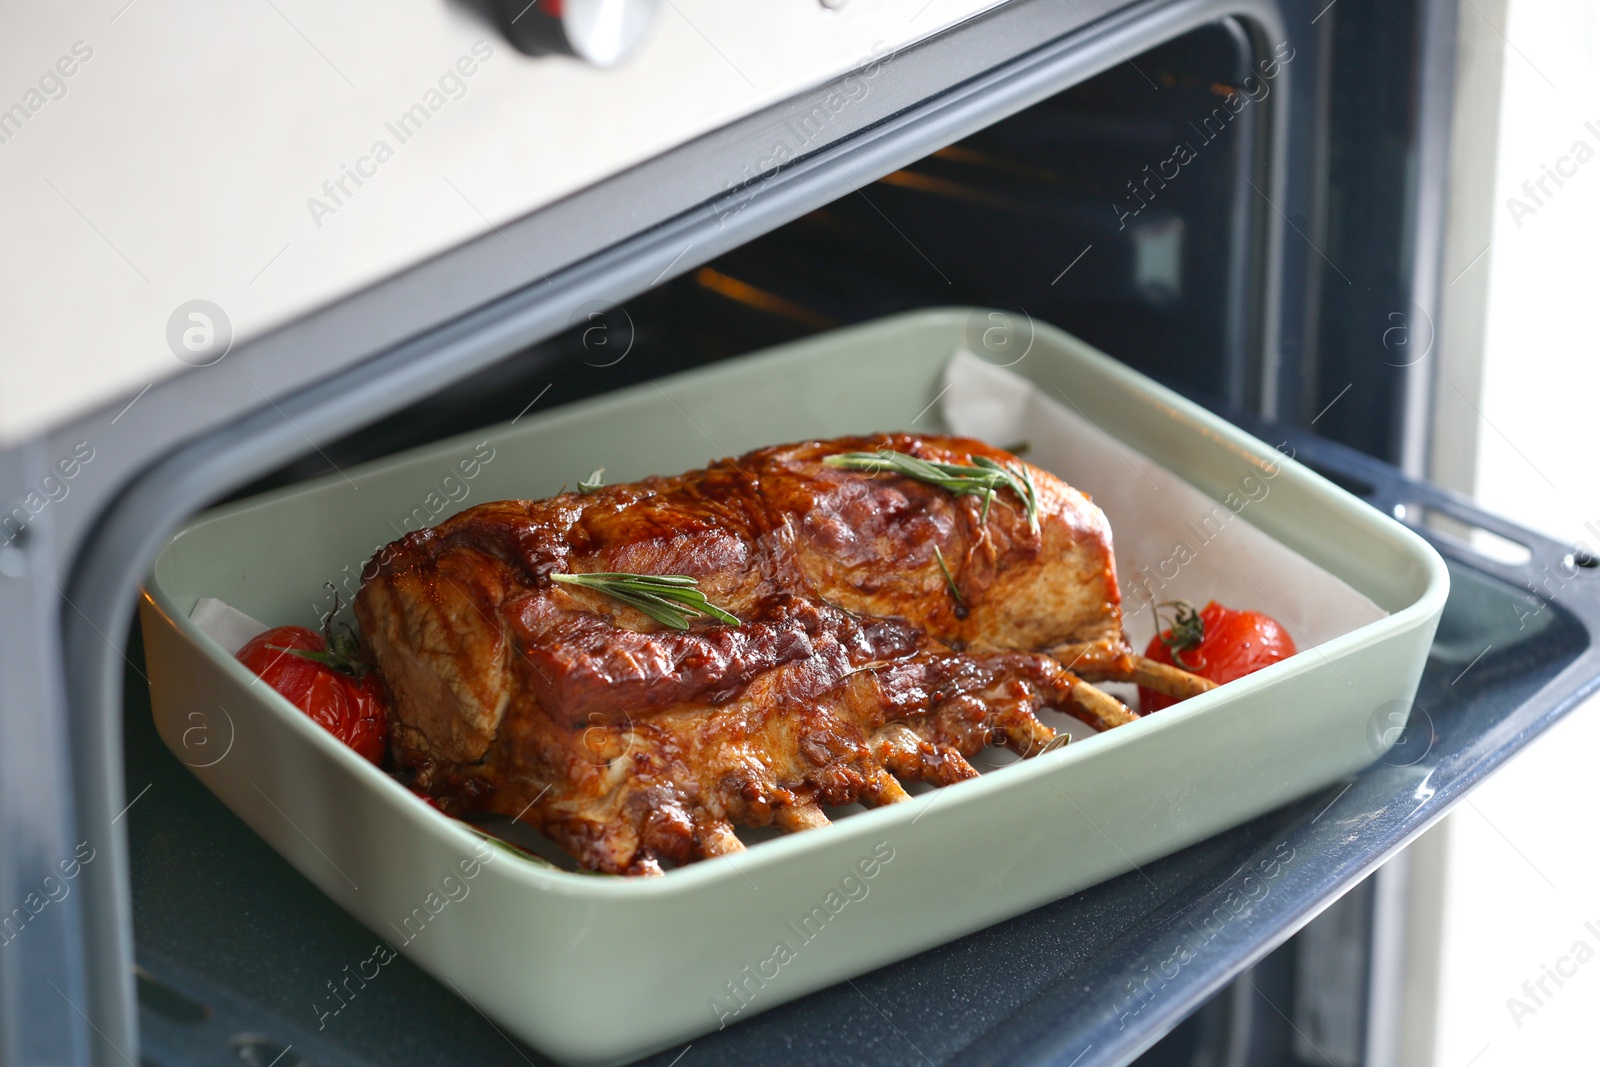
<point x="225" y="624"/>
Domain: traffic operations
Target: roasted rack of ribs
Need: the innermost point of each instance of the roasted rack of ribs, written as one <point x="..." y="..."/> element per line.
<point x="862" y="658"/>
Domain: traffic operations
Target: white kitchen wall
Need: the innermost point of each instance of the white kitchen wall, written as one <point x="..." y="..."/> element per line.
<point x="1517" y="867"/>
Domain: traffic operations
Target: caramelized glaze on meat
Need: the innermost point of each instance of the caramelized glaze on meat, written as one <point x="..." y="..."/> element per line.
<point x="855" y="667"/>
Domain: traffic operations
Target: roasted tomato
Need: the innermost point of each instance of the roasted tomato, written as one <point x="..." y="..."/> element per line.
<point x="1217" y="643"/>
<point x="341" y="694"/>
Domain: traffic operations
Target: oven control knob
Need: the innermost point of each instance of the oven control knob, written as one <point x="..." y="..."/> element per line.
<point x="602" y="32"/>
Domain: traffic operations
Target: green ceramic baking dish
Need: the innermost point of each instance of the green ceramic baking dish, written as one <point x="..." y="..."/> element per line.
<point x="596" y="970"/>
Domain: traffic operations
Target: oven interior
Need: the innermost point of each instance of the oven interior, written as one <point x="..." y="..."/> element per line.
<point x="1022" y="217"/>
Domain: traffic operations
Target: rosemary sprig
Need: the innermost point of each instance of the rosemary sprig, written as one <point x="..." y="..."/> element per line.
<point x="1033" y="496"/>
<point x="1061" y="740"/>
<point x="670" y="599"/>
<point x="496" y="841"/>
<point x="593" y="482"/>
<point x="949" y="579"/>
<point x="985" y="477"/>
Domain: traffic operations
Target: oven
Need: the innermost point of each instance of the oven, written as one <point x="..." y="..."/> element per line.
<point x="1243" y="199"/>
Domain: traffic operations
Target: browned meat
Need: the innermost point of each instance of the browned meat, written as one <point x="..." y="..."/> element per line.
<point x="630" y="743"/>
